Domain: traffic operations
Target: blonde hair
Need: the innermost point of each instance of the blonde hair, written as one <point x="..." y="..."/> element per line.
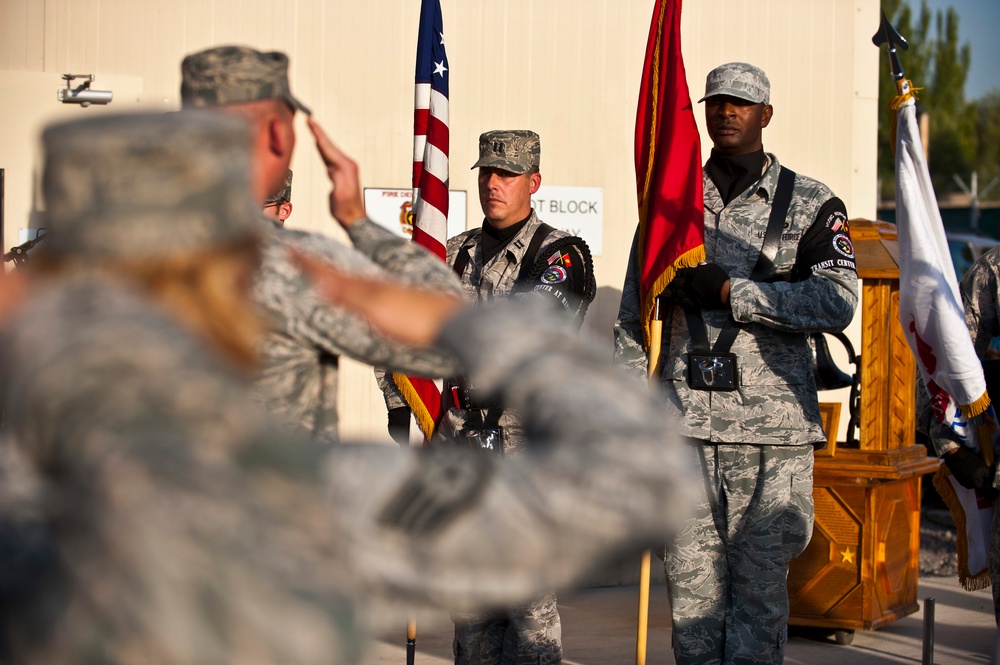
<point x="207" y="291"/>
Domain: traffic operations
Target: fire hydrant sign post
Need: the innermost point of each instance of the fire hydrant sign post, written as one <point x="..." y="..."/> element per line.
<point x="576" y="210"/>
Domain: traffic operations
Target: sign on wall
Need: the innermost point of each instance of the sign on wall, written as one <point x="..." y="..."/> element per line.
<point x="576" y="210"/>
<point x="393" y="209"/>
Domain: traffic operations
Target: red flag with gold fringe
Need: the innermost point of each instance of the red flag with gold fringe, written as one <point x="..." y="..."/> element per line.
<point x="667" y="163"/>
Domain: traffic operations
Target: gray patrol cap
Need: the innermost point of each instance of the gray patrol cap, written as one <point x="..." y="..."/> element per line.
<point x="515" y="150"/>
<point x="285" y="194"/>
<point x="232" y="74"/>
<point x="738" y="79"/>
<point x="146" y="185"/>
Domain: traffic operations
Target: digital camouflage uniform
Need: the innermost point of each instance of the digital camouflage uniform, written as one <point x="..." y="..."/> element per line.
<point x="301" y="352"/>
<point x="980" y="289"/>
<point x="141" y="530"/>
<point x="727" y="575"/>
<point x="306" y="335"/>
<point x="528" y="632"/>
<point x="149" y="512"/>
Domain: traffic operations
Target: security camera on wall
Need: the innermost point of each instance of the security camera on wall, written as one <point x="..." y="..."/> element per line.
<point x="82" y="94"/>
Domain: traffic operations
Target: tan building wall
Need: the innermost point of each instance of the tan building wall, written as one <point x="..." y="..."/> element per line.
<point x="568" y="69"/>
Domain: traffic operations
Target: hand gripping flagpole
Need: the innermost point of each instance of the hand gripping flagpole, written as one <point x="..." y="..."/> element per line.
<point x="653" y="363"/>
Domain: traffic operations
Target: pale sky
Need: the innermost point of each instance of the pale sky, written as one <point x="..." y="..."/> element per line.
<point x="979" y="25"/>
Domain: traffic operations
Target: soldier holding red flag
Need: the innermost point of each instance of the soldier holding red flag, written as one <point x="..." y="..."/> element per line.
<point x="737" y="372"/>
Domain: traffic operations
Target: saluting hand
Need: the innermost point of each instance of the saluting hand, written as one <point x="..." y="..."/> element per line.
<point x="346" y="204"/>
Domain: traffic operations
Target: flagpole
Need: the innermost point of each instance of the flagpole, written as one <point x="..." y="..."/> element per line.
<point x="411" y="641"/>
<point x="653" y="363"/>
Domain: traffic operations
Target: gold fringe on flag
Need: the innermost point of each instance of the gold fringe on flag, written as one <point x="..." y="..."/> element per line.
<point x="968" y="581"/>
<point x="420" y="412"/>
<point x="897" y="103"/>
<point x="688" y="259"/>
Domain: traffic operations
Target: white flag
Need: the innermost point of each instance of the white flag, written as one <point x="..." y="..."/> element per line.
<point x="930" y="307"/>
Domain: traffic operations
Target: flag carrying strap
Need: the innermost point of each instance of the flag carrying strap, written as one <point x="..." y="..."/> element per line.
<point x="761" y="270"/>
<point x="535" y="244"/>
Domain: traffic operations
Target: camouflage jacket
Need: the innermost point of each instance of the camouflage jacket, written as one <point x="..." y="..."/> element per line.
<point x="160" y="521"/>
<point x="156" y="514"/>
<point x="563" y="283"/>
<point x="816" y="290"/>
<point x="307" y="336"/>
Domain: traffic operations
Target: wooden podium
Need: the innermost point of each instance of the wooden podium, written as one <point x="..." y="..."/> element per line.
<point x="860" y="568"/>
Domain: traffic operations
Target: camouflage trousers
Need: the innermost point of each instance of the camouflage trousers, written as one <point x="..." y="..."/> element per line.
<point x="527" y="634"/>
<point x="727" y="568"/>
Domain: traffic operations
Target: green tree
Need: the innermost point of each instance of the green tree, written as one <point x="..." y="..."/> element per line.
<point x="939" y="65"/>
<point x="988" y="132"/>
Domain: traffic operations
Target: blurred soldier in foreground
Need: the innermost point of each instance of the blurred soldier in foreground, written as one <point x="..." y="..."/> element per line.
<point x="279" y="206"/>
<point x="149" y="513"/>
<point x="306" y="336"/>
<point x="737" y="372"/>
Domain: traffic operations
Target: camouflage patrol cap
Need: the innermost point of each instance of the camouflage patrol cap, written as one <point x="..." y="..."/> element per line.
<point x="738" y="79"/>
<point x="515" y="150"/>
<point x="146" y="185"/>
<point x="232" y="74"/>
<point x="285" y="193"/>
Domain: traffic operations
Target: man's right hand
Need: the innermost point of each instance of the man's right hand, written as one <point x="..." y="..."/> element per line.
<point x="346" y="203"/>
<point x="705" y="286"/>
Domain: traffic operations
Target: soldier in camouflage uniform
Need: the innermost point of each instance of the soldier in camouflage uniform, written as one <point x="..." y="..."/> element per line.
<point x="980" y="289"/>
<point x="307" y="336"/>
<point x="727" y="570"/>
<point x="134" y="524"/>
<point x="512" y="253"/>
<point x="150" y="513"/>
<point x="279" y="206"/>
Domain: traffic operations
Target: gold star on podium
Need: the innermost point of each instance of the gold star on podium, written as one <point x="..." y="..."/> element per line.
<point x="847" y="556"/>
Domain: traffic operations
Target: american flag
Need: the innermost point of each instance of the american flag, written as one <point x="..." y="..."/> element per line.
<point x="430" y="181"/>
<point x="430" y="133"/>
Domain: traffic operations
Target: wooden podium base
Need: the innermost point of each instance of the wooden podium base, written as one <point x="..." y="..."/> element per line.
<point x="861" y="566"/>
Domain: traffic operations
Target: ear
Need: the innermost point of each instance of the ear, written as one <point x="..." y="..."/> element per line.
<point x="285" y="211"/>
<point x="536" y="182"/>
<point x="280" y="138"/>
<point x="765" y="116"/>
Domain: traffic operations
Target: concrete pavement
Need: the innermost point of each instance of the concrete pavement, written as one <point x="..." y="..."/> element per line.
<point x="599" y="629"/>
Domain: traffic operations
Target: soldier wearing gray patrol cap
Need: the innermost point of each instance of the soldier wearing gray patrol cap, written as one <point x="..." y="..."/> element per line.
<point x="299" y="378"/>
<point x="279" y="206"/>
<point x="515" y="150"/>
<point x="752" y="415"/>
<point x="740" y="80"/>
<point x="514" y="254"/>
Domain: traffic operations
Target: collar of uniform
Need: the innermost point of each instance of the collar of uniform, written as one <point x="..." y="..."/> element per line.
<point x="518" y="245"/>
<point x="768" y="183"/>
